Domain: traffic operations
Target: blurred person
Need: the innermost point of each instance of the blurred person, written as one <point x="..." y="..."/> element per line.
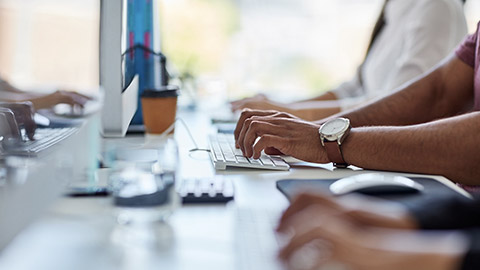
<point x="23" y="114"/>
<point x="428" y="126"/>
<point x="9" y="93"/>
<point x="356" y="233"/>
<point x="409" y="38"/>
<point x="14" y="116"/>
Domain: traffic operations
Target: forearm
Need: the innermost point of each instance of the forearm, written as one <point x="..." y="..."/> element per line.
<point x="314" y="110"/>
<point x="7" y="87"/>
<point x="446" y="147"/>
<point x="444" y="92"/>
<point x="326" y="96"/>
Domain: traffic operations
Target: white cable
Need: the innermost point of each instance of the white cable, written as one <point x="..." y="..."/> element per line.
<point x="172" y="126"/>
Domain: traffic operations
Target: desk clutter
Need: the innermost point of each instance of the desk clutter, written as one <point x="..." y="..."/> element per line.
<point x="190" y="190"/>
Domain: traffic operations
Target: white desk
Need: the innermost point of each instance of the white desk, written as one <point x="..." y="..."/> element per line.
<point x="82" y="233"/>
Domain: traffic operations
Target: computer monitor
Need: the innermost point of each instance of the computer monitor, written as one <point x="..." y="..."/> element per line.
<point x="117" y="76"/>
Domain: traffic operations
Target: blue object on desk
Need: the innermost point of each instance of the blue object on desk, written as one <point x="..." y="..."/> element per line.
<point x="141" y="32"/>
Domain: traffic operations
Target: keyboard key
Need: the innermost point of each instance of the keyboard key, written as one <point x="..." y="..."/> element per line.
<point x="44" y="138"/>
<point x="206" y="190"/>
<point x="255" y="161"/>
<point x="242" y="159"/>
<point x="224" y="154"/>
<point x="266" y="161"/>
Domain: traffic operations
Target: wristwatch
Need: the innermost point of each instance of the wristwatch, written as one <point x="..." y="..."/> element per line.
<point x="332" y="134"/>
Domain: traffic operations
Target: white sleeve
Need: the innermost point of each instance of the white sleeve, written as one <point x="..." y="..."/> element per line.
<point x="348" y="89"/>
<point x="350" y="93"/>
<point x="437" y="29"/>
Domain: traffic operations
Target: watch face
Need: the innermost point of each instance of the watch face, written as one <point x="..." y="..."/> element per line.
<point x="335" y="126"/>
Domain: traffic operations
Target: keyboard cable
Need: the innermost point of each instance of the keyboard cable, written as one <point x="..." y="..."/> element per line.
<point x="172" y="126"/>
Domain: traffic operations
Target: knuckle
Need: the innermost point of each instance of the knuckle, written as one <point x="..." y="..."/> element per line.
<point x="245" y="111"/>
<point x="255" y="124"/>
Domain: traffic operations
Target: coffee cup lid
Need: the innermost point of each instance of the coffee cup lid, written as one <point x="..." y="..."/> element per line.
<point x="164" y="91"/>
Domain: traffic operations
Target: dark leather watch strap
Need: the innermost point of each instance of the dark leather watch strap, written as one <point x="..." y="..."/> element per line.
<point x="334" y="153"/>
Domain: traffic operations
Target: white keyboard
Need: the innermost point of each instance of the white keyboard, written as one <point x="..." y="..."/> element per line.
<point x="224" y="154"/>
<point x="44" y="138"/>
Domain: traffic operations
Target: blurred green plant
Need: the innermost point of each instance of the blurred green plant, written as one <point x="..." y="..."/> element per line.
<point x="196" y="33"/>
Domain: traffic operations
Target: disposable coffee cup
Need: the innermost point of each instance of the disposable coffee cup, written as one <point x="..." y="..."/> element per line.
<point x="159" y="107"/>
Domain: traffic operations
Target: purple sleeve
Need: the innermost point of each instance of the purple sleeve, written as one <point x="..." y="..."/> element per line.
<point x="466" y="50"/>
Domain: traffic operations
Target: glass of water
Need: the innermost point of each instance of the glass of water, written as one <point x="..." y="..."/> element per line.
<point x="145" y="192"/>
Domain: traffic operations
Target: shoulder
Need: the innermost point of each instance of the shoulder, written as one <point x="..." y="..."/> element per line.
<point x="439" y="8"/>
<point x="438" y="14"/>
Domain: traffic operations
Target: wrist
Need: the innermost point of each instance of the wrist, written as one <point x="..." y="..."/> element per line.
<point x="332" y="135"/>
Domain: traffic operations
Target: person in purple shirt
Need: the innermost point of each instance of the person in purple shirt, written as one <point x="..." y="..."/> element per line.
<point x="430" y="126"/>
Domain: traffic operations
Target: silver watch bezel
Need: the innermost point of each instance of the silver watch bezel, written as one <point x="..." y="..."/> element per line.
<point x="337" y="136"/>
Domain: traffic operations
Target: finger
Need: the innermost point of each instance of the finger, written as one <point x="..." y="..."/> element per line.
<point x="237" y="105"/>
<point x="30" y="125"/>
<point x="272" y="151"/>
<point x="74" y="101"/>
<point x="316" y="254"/>
<point x="79" y="100"/>
<point x="298" y="241"/>
<point x="283" y="115"/>
<point x="303" y="201"/>
<point x="246" y="113"/>
<point x="265" y="142"/>
<point x="28" y="119"/>
<point x="30" y="128"/>
<point x="258" y="128"/>
<point x="334" y="231"/>
<point x="73" y="93"/>
<point x="241" y="135"/>
<point x="246" y="126"/>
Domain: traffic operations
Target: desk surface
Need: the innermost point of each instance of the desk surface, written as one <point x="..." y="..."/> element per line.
<point x="82" y="233"/>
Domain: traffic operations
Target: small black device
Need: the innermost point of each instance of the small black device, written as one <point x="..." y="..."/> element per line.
<point x="87" y="192"/>
<point x="206" y="190"/>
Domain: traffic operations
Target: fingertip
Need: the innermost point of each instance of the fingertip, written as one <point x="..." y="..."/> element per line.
<point x="279" y="227"/>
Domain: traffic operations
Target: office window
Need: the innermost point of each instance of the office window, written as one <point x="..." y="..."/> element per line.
<point x="290" y="49"/>
<point x="46" y="44"/>
<point x="232" y="48"/>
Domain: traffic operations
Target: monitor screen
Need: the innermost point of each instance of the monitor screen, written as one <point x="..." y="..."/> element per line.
<point x="117" y="67"/>
<point x="127" y="44"/>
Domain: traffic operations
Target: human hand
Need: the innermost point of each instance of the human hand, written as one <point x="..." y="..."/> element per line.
<point x="360" y="210"/>
<point x="8" y="126"/>
<point x="243" y="103"/>
<point x="247" y="113"/>
<point x="289" y="135"/>
<point x="73" y="99"/>
<point x="23" y="112"/>
<point x="336" y="241"/>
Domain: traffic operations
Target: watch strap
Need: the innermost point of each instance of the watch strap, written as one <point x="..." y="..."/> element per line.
<point x="334" y="153"/>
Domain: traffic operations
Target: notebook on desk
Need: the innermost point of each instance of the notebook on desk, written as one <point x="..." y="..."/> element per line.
<point x="433" y="188"/>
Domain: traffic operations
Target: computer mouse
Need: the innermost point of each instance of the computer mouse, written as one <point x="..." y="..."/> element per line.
<point x="375" y="184"/>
